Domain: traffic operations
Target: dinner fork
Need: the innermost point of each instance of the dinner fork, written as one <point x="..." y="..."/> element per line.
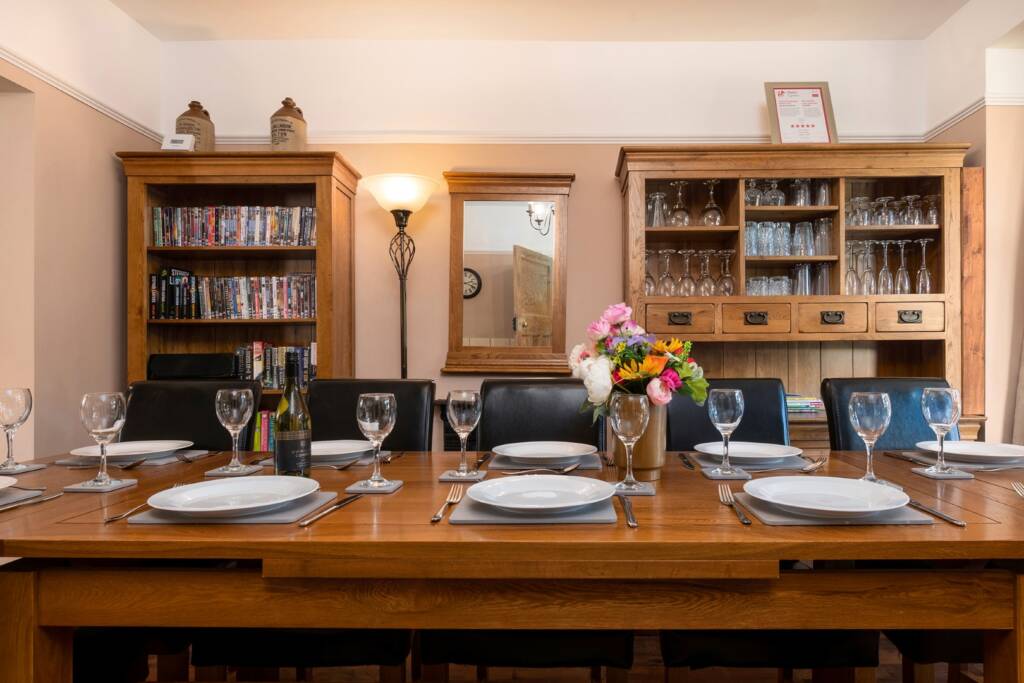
<point x="454" y="498"/>
<point x="339" y="468"/>
<point x="191" y="459"/>
<point x="552" y="470"/>
<point x="726" y="497"/>
<point x="114" y="518"/>
<point x="1018" y="488"/>
<point x="812" y="466"/>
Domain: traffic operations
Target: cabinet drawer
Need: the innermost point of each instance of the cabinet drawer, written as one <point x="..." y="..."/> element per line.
<point x="680" y="319"/>
<point x="832" y="317"/>
<point x="756" y="318"/>
<point x="910" y="316"/>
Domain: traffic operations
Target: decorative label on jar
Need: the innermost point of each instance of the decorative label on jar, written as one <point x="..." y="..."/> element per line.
<point x="288" y="128"/>
<point x="196" y="121"/>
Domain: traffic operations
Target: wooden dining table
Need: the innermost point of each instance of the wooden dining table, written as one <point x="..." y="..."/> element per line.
<point x="380" y="563"/>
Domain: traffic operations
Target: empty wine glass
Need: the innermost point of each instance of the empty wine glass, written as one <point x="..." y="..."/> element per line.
<point x="883" y="212"/>
<point x="885" y="279"/>
<point x="706" y="285"/>
<point x="658" y="212"/>
<point x="870" y="413"/>
<point x="649" y="284"/>
<point x="726" y="282"/>
<point x="773" y="196"/>
<point x="103" y="417"/>
<point x="375" y="416"/>
<point x="725" y="408"/>
<point x="899" y="212"/>
<point x="753" y="195"/>
<point x="913" y="215"/>
<point x="234" y="408"/>
<point x="464" y="409"/>
<point x="924" y="277"/>
<point x="629" y="415"/>
<point x="15" y="407"/>
<point x="666" y="283"/>
<point x="931" y="209"/>
<point x="941" y="408"/>
<point x="686" y="286"/>
<point x="867" y="278"/>
<point x="801" y="191"/>
<point x="851" y="280"/>
<point x="712" y="213"/>
<point x="902" y="284"/>
<point x="680" y="214"/>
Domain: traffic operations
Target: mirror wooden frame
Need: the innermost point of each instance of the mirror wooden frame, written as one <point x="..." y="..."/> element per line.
<point x="514" y="360"/>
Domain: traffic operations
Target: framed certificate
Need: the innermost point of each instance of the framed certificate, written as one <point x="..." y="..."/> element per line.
<point x="801" y="112"/>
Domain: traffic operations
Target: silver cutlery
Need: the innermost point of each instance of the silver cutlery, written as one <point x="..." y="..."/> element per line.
<point x="726" y="498"/>
<point x="28" y="488"/>
<point x="189" y="459"/>
<point x="482" y="460"/>
<point x="550" y="470"/>
<point x="338" y="468"/>
<point x="1018" y="488"/>
<point x="337" y="506"/>
<point x="687" y="463"/>
<point x="114" y="518"/>
<point x="128" y="465"/>
<point x="627" y="507"/>
<point x="812" y="466"/>
<point x="386" y="459"/>
<point x="31" y="501"/>
<point x="113" y="465"/>
<point x="455" y="494"/>
<point x="932" y="511"/>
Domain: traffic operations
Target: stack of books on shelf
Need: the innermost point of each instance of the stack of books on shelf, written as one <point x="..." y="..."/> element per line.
<point x="176" y="294"/>
<point x="804" y="404"/>
<point x="263" y="431"/>
<point x="264" y="362"/>
<point x="234" y="226"/>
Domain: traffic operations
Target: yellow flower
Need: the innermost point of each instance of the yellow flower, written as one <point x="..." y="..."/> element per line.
<point x="651" y="367"/>
<point x="672" y="346"/>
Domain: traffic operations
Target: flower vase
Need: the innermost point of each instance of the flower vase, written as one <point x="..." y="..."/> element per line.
<point x="649" y="451"/>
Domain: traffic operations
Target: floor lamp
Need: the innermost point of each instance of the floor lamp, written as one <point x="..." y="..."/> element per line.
<point x="402" y="195"/>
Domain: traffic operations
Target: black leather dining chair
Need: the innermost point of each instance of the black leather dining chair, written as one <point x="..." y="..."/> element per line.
<point x="192" y="366"/>
<point x="764" y="415"/>
<point x="332" y="408"/>
<point x="532" y="410"/>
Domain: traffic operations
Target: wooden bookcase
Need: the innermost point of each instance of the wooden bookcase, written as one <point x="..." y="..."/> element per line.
<point x="804" y="339"/>
<point x="317" y="179"/>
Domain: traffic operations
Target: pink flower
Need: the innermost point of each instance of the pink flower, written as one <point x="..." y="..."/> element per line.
<point x="599" y="329"/>
<point x="617" y="313"/>
<point x="658" y="393"/>
<point x="631" y="328"/>
<point x="670" y="378"/>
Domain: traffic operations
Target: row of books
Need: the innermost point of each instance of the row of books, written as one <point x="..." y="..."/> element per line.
<point x="234" y="226"/>
<point x="803" y="404"/>
<point x="263" y="431"/>
<point x="264" y="362"/>
<point x="176" y="294"/>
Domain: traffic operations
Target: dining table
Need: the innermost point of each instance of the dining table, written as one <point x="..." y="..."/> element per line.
<point x="380" y="563"/>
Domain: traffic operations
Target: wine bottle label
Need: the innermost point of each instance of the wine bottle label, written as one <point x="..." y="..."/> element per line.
<point x="292" y="453"/>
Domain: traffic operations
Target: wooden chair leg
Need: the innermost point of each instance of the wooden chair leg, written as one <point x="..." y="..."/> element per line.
<point x="616" y="675"/>
<point x="677" y="674"/>
<point x="211" y="673"/>
<point x="392" y="674"/>
<point x="172" y="667"/>
<point x="434" y="673"/>
<point x="917" y="673"/>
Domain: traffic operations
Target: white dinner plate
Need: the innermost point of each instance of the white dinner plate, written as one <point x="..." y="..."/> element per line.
<point x="544" y="452"/>
<point x="233" y="497"/>
<point x="6" y="482"/>
<point x="748" y="451"/>
<point x="133" y="450"/>
<point x="826" y="496"/>
<point x="338" y="450"/>
<point x="540" y="493"/>
<point x="976" y="451"/>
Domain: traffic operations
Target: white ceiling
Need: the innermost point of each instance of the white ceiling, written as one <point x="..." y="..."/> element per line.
<point x="549" y="20"/>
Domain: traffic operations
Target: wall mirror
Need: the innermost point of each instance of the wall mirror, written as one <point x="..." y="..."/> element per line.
<point x="507" y="284"/>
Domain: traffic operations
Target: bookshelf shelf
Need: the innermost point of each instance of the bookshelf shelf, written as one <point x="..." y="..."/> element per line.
<point x="235" y="252"/>
<point x="234" y="321"/>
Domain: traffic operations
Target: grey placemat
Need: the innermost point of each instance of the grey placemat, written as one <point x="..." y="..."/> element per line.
<point x="790" y="462"/>
<point x="773" y="516"/>
<point x="10" y="496"/>
<point x="501" y="462"/>
<point x="471" y="512"/>
<point x="927" y="459"/>
<point x="283" y="515"/>
<point x="193" y="454"/>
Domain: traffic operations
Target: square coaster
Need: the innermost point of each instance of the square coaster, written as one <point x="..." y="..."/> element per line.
<point x="644" y="488"/>
<point x="364" y="487"/>
<point x="22" y="468"/>
<point x="453" y="476"/>
<point x="955" y="474"/>
<point x="244" y="472"/>
<point x="737" y="474"/>
<point x="114" y="485"/>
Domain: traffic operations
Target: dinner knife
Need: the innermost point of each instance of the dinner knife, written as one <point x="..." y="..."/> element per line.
<point x="686" y="462"/>
<point x="482" y="460"/>
<point x="932" y="511"/>
<point x="31" y="501"/>
<point x="627" y="507"/>
<point x="337" y="506"/>
<point x="908" y="456"/>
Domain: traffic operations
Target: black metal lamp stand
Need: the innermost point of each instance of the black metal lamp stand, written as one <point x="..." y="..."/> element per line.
<point x="402" y="250"/>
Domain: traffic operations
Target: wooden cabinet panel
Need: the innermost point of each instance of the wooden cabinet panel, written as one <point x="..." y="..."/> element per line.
<point x="680" y="319"/>
<point x="910" y="316"/>
<point x="756" y="318"/>
<point x="832" y="316"/>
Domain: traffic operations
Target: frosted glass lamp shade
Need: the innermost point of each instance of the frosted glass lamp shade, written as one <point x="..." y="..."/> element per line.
<point x="400" y="191"/>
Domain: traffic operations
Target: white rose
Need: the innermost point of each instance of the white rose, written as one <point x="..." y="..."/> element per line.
<point x="630" y="328"/>
<point x="574" y="359"/>
<point x="597" y="378"/>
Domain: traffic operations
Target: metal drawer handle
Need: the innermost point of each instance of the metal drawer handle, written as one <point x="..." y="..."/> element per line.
<point x="680" y="318"/>
<point x="833" y="317"/>
<point x="755" y="317"/>
<point x="910" y="317"/>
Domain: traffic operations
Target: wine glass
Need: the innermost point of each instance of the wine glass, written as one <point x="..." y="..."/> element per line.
<point x="931" y="204"/>
<point x="103" y="417"/>
<point x="941" y="408"/>
<point x="375" y="415"/>
<point x="725" y="408"/>
<point x="867" y="278"/>
<point x="658" y="217"/>
<point x="902" y="284"/>
<point x="924" y="277"/>
<point x="753" y="195"/>
<point x="886" y="283"/>
<point x="686" y="286"/>
<point x="649" y="284"/>
<point x="15" y="407"/>
<point x="666" y="283"/>
<point x="464" y="409"/>
<point x="884" y="214"/>
<point x="913" y="214"/>
<point x="712" y="213"/>
<point x="851" y="280"/>
<point x="706" y="285"/>
<point x="773" y="196"/>
<point x="629" y="414"/>
<point x="234" y="409"/>
<point x="726" y="282"/>
<point x="870" y="412"/>
<point x="680" y="214"/>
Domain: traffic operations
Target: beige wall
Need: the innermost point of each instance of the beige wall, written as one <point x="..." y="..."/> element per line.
<point x="970" y="129"/>
<point x="78" y="262"/>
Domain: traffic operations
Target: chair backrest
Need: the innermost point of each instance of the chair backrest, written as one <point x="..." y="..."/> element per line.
<point x="764" y="415"/>
<point x="907" y="425"/>
<point x="332" y="405"/>
<point x="536" y="410"/>
<point x="182" y="409"/>
<point x="192" y="366"/>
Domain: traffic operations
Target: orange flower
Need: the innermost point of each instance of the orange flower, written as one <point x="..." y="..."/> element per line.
<point x="672" y="346"/>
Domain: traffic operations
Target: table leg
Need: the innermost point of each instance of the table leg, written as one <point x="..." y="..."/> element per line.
<point x="29" y="653"/>
<point x="1004" y="650"/>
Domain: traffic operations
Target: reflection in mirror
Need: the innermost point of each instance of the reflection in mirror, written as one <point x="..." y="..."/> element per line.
<point x="508" y="250"/>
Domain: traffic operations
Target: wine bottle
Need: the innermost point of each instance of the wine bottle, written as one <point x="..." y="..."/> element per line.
<point x="293" y="425"/>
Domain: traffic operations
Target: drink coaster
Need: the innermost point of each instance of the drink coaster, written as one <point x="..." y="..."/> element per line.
<point x="114" y="485"/>
<point x="364" y="487"/>
<point x="21" y="468"/>
<point x="954" y="474"/>
<point x="737" y="474"/>
<point x="452" y="476"/>
<point x="244" y="472"/>
<point x="644" y="488"/>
